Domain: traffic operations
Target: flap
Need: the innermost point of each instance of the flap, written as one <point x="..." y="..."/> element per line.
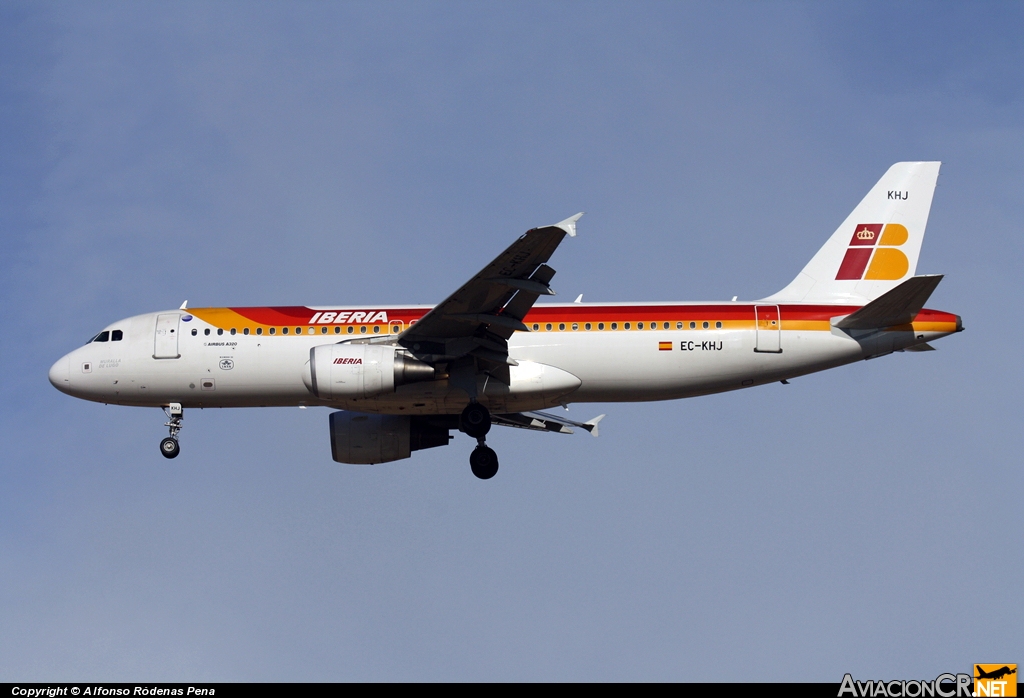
<point x="542" y="421"/>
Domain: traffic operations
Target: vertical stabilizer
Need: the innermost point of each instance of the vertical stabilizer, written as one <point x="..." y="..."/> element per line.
<point x="877" y="246"/>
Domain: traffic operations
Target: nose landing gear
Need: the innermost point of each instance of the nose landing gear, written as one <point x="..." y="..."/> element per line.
<point x="169" y="447"/>
<point x="476" y="422"/>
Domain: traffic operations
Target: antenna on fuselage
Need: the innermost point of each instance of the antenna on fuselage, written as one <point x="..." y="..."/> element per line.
<point x="184" y="306"/>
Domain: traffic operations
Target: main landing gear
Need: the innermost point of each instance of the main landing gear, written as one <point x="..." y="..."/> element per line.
<point x="169" y="447"/>
<point x="476" y="422"/>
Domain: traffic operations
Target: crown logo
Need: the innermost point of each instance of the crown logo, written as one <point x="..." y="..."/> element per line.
<point x="865" y="234"/>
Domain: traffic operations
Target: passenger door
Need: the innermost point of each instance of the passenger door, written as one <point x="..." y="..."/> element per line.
<point x="769" y="329"/>
<point x="165" y="344"/>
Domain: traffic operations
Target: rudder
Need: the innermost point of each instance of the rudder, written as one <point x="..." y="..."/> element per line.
<point x="877" y="246"/>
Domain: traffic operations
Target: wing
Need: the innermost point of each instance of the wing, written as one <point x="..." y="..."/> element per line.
<point x="542" y="421"/>
<point x="474" y="323"/>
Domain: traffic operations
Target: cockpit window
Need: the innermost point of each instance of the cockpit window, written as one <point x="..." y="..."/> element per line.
<point x="116" y="336"/>
<point x="103" y="336"/>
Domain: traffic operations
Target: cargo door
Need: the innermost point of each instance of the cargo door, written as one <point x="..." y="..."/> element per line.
<point x="165" y="344"/>
<point x="769" y="329"/>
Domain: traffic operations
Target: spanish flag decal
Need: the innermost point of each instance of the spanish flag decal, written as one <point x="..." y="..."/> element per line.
<point x="664" y="346"/>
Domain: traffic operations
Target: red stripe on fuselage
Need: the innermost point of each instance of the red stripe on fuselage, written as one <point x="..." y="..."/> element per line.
<point x="301" y="315"/>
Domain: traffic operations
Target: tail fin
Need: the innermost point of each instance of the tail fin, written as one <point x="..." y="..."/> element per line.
<point x="876" y="247"/>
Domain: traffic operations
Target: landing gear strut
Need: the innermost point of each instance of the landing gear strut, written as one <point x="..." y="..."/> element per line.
<point x="169" y="447"/>
<point x="476" y="422"/>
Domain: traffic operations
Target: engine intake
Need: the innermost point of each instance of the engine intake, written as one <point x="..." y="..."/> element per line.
<point x="340" y="371"/>
<point x="367" y="439"/>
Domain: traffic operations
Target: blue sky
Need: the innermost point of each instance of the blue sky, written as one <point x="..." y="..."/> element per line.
<point x="865" y="519"/>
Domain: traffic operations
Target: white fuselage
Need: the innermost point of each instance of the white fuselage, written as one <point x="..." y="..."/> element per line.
<point x="207" y="366"/>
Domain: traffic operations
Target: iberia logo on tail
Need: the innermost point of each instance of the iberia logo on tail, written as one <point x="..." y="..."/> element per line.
<point x="879" y="245"/>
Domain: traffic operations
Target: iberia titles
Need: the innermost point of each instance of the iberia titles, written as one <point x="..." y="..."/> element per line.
<point x="347" y="318"/>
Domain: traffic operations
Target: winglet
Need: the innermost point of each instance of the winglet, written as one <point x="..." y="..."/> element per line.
<point x="183" y="306"/>
<point x="569" y="224"/>
<point x="591" y="426"/>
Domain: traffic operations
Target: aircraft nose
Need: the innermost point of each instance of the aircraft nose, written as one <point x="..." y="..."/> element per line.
<point x="60" y="374"/>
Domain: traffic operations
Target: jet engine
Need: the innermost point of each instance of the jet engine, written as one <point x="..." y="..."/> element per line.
<point x="366" y="439"/>
<point x="340" y="371"/>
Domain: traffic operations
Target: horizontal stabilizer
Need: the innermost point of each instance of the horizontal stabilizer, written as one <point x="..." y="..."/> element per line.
<point x="896" y="307"/>
<point x="924" y="346"/>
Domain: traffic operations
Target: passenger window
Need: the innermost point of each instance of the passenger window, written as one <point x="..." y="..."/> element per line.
<point x="639" y="325"/>
<point x="664" y="326"/>
<point x="587" y="326"/>
<point x="718" y="325"/>
<point x="232" y="330"/>
<point x="273" y="330"/>
<point x="116" y="336"/>
<point x="679" y="325"/>
<point x="311" y="331"/>
<point x="548" y="327"/>
<point x="194" y="331"/>
<point x="298" y="330"/>
<point x="323" y="330"/>
<point x="575" y="327"/>
<point x="207" y="331"/>
<point x="625" y="325"/>
<point x="376" y="329"/>
<point x="362" y="330"/>
<point x="245" y="331"/>
<point x="536" y="327"/>
<point x="706" y="325"/>
<point x="561" y="326"/>
<point x="337" y="329"/>
<point x="220" y="331"/>
<point x="259" y="330"/>
<point x="615" y="325"/>
<point x="693" y="325"/>
<point x="284" y="330"/>
<point x="600" y="325"/>
<point x="351" y="329"/>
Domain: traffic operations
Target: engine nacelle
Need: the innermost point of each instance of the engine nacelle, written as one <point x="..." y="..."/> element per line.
<point x="366" y="439"/>
<point x="340" y="371"/>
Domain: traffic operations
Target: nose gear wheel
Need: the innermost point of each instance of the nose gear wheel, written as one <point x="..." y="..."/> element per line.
<point x="169" y="448"/>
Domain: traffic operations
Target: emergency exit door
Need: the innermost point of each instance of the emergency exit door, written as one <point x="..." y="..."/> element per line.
<point x="769" y="329"/>
<point x="165" y="344"/>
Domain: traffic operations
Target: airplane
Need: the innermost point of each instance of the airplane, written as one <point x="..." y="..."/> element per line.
<point x="996" y="674"/>
<point x="402" y="378"/>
